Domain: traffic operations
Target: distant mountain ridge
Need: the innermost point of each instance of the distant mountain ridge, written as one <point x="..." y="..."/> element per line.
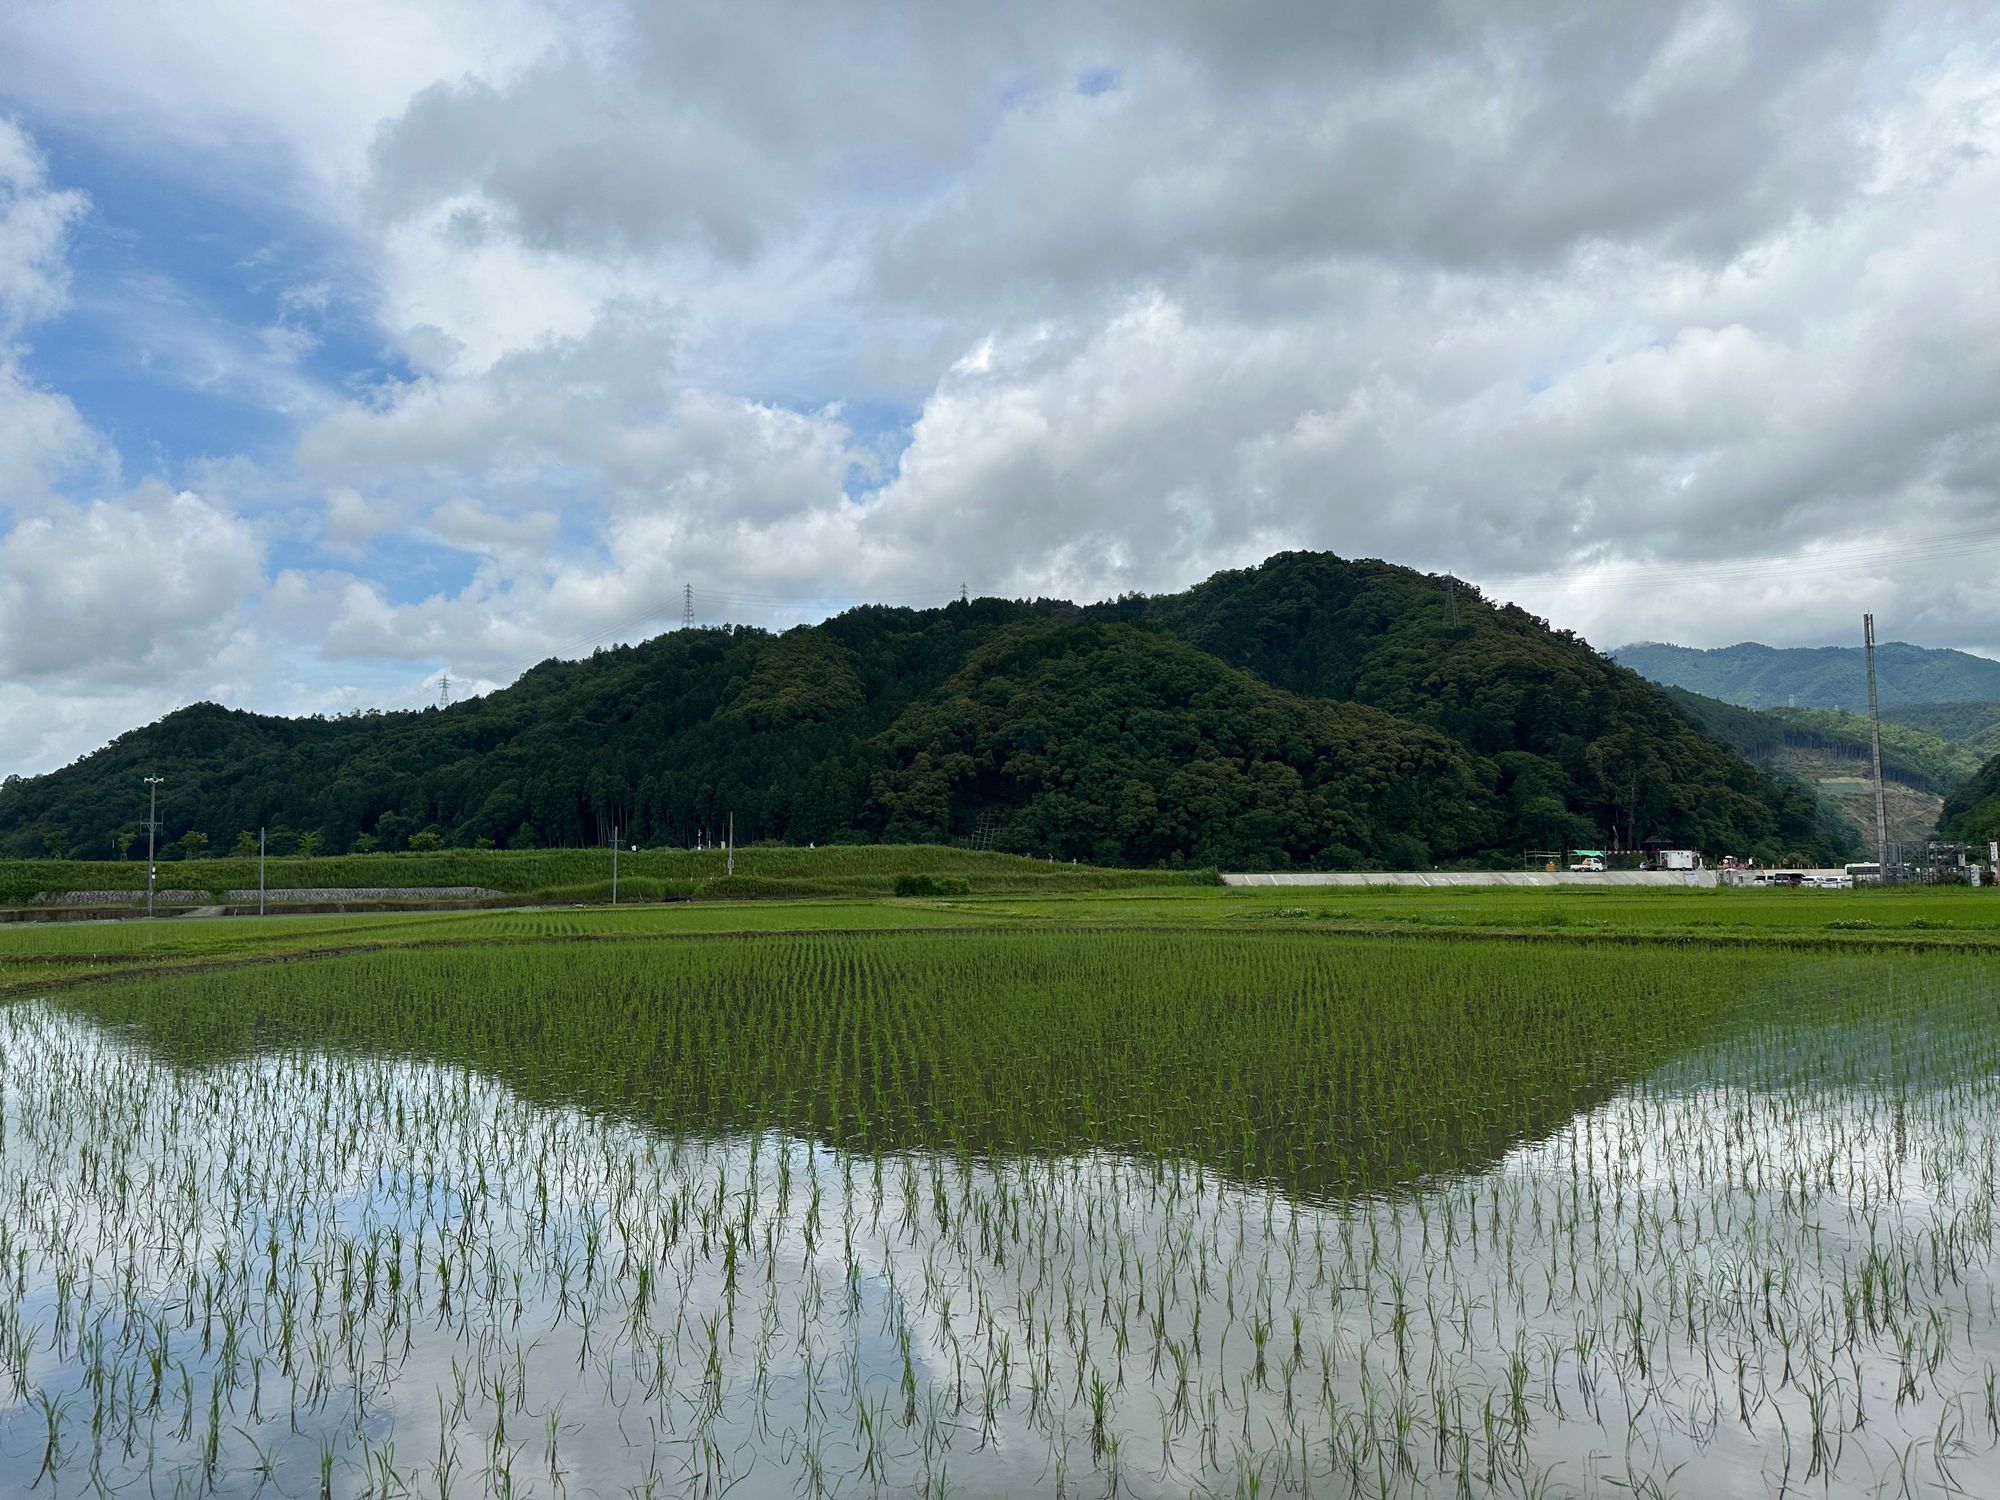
<point x="1828" y="750"/>
<point x="1309" y="712"/>
<point x="1757" y="676"/>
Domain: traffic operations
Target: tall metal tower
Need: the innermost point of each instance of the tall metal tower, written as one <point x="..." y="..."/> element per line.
<point x="153" y="784"/>
<point x="444" y="690"/>
<point x="1875" y="740"/>
<point x="687" y="606"/>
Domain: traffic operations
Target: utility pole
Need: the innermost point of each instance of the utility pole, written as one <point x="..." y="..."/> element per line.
<point x="614" y="867"/>
<point x="730" y="868"/>
<point x="1875" y="741"/>
<point x="260" y="872"/>
<point x="152" y="826"/>
<point x="1450" y="602"/>
<point x="687" y="606"/>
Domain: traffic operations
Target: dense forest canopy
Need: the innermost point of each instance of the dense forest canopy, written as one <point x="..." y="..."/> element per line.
<point x="1972" y="813"/>
<point x="1308" y="712"/>
<point x="1974" y="724"/>
<point x="1910" y="756"/>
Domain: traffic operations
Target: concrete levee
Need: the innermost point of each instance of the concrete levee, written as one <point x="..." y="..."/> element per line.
<point x="318" y="895"/>
<point x="1701" y="879"/>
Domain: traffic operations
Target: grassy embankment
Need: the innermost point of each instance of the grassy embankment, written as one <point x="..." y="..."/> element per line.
<point x="566" y="875"/>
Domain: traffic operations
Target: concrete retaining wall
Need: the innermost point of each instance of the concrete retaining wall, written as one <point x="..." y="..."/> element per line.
<point x="122" y="898"/>
<point x="321" y="895"/>
<point x="1682" y="878"/>
<point x="365" y="893"/>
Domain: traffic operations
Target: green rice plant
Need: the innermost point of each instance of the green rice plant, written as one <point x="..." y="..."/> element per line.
<point x="1179" y="1209"/>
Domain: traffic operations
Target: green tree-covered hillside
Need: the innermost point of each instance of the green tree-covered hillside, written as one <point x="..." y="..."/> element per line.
<point x="1313" y="711"/>
<point x="1974" y="724"/>
<point x="1972" y="813"/>
<point x="1910" y="756"/>
<point x="1580" y="749"/>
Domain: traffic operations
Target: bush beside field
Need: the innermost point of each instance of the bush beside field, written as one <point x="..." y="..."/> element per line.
<point x="585" y="874"/>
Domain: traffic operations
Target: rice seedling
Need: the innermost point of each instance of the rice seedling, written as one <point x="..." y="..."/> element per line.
<point x="943" y="1212"/>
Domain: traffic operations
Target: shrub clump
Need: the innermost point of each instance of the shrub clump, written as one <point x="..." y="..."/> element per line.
<point x="925" y="885"/>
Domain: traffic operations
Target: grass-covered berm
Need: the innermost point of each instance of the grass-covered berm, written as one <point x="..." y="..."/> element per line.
<point x="1134" y="1212"/>
<point x="568" y="875"/>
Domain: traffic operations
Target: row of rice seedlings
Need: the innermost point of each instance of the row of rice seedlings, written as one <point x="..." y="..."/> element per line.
<point x="1071" y="1216"/>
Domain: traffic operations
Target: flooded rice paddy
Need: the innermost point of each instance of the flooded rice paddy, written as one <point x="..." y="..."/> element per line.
<point x="1007" y="1215"/>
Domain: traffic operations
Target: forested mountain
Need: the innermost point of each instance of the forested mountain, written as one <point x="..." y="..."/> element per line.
<point x="1974" y="724"/>
<point x="1816" y="676"/>
<point x="1972" y="813"/>
<point x="1828" y="751"/>
<point x="1912" y="756"/>
<point x="1311" y="711"/>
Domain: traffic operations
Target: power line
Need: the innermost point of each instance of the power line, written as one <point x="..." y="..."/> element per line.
<point x="1580" y="578"/>
<point x="658" y="608"/>
<point x="1827" y="560"/>
<point x="854" y="600"/>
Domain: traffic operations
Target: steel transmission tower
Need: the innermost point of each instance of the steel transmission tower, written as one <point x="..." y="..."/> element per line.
<point x="687" y="606"/>
<point x="152" y="826"/>
<point x="1875" y="745"/>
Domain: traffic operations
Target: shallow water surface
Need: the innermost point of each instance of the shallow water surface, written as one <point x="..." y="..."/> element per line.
<point x="1765" y="1264"/>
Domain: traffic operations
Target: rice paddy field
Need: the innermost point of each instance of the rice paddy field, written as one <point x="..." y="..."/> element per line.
<point x="1149" y="1192"/>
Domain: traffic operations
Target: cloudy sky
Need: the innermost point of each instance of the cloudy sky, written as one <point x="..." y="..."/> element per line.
<point x="345" y="345"/>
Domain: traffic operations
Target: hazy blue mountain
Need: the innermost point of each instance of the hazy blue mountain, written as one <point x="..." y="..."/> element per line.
<point x="1757" y="676"/>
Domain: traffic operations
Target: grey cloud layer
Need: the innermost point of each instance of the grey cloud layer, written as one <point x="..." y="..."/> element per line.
<point x="1505" y="289"/>
<point x="1456" y="134"/>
